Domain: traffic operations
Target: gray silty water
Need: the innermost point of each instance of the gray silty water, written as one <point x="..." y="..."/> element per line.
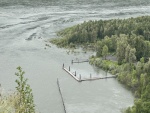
<point x="24" y="27"/>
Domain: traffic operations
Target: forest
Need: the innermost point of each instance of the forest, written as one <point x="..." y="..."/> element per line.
<point x="122" y="47"/>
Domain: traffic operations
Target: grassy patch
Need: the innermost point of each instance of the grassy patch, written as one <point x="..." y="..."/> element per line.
<point x="8" y="104"/>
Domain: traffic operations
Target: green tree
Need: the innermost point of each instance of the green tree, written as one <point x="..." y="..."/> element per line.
<point x="105" y="51"/>
<point x="130" y="54"/>
<point x="121" y="48"/>
<point x="138" y="104"/>
<point x="99" y="47"/>
<point x="146" y="93"/>
<point x="25" y="103"/>
<point x="127" y="51"/>
<point x="132" y="57"/>
<point x="140" y="46"/>
<point x="147" y="67"/>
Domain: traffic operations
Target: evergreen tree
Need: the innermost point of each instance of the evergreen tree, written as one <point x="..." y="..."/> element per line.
<point x="121" y="48"/>
<point x="127" y="51"/>
<point x="105" y="51"/>
<point x="132" y="57"/>
<point x="99" y="48"/>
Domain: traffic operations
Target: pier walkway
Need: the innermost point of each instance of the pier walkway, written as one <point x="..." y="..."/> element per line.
<point x="79" y="61"/>
<point x="80" y="79"/>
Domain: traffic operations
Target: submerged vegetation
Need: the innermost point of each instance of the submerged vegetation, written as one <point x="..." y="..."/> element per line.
<point x="22" y="100"/>
<point x="122" y="47"/>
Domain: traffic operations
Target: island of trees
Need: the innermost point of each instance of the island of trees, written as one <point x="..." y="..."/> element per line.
<point x="122" y="47"/>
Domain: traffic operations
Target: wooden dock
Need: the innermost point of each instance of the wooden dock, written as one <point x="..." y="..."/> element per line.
<point x="73" y="75"/>
<point x="97" y="78"/>
<point x="79" y="61"/>
<point x="85" y="79"/>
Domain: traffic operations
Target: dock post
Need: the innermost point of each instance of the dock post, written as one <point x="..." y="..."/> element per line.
<point x="72" y="61"/>
<point x="75" y="73"/>
<point x="69" y="68"/>
<point x="90" y="76"/>
<point x="80" y="77"/>
<point x="63" y="65"/>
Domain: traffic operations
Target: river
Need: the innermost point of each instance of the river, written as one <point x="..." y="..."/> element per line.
<point x="26" y="25"/>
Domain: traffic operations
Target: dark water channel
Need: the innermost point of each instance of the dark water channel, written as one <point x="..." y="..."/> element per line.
<point x="24" y="28"/>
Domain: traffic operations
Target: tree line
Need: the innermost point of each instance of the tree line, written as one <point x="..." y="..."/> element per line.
<point x="116" y="34"/>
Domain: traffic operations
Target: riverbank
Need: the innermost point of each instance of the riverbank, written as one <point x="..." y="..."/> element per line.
<point x="131" y="76"/>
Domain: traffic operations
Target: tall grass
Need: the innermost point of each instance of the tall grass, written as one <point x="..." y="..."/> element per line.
<point x="8" y="103"/>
